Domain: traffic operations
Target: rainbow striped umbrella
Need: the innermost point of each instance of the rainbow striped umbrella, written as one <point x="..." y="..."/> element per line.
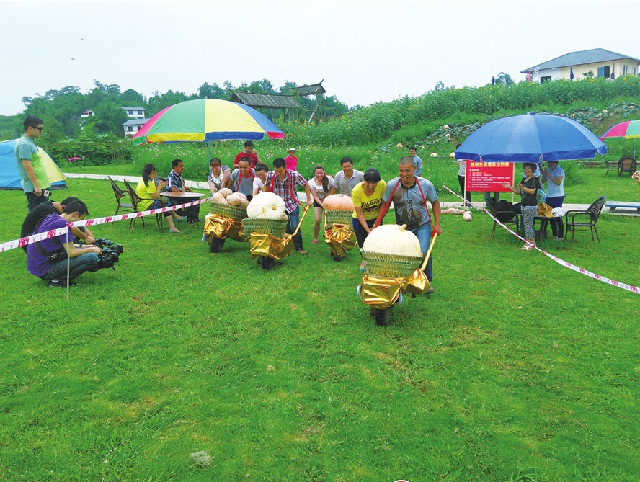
<point x="627" y="129"/>
<point x="206" y="120"/>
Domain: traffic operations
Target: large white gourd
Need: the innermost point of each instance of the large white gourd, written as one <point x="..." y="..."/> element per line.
<point x="266" y="205"/>
<point x="392" y="239"/>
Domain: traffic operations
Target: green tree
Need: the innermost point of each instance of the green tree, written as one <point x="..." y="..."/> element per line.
<point x="159" y="101"/>
<point x="108" y="118"/>
<point x="132" y="98"/>
<point x="211" y="91"/>
<point x="504" y="79"/>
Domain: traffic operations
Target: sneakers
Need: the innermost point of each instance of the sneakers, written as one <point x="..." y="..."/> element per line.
<point x="60" y="283"/>
<point x="429" y="291"/>
<point x="302" y="252"/>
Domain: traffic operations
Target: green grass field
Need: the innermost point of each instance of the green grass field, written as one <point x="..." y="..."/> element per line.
<point x="515" y="369"/>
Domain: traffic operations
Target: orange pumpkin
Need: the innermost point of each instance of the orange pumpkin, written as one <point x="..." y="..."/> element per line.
<point x="338" y="202"/>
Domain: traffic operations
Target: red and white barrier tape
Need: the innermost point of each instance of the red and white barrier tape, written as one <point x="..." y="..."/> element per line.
<point x="566" y="264"/>
<point x="18" y="243"/>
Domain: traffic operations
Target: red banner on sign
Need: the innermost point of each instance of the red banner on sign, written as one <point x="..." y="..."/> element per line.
<point x="488" y="176"/>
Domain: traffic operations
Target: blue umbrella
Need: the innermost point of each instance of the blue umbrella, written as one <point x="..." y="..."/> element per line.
<point x="531" y="138"/>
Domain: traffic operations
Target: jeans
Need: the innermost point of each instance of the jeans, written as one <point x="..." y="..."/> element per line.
<point x="33" y="201"/>
<point x="424" y="236"/>
<point x="294" y="219"/>
<point x="361" y="234"/>
<point x="77" y="266"/>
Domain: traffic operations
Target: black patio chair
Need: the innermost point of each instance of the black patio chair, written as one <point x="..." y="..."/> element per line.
<point x="626" y="164"/>
<point x="120" y="195"/>
<point x="501" y="211"/>
<point x="135" y="199"/>
<point x="587" y="218"/>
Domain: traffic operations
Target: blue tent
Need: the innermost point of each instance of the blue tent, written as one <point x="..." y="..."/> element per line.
<point x="9" y="177"/>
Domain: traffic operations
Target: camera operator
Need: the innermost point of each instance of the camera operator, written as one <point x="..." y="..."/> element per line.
<point x="47" y="258"/>
<point x="52" y="207"/>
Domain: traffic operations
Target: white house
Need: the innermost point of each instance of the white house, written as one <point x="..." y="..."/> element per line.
<point x="603" y="63"/>
<point x="132" y="126"/>
<point x="134" y="112"/>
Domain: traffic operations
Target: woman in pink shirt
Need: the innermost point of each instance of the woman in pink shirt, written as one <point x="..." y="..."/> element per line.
<point x="291" y="161"/>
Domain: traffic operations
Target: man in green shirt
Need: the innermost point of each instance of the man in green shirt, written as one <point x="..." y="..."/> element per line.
<point x="32" y="173"/>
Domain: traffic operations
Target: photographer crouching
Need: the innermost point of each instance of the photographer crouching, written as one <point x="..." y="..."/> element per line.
<point x="47" y="259"/>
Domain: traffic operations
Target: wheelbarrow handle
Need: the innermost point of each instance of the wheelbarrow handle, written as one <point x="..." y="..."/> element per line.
<point x="304" y="213"/>
<point x="426" y="258"/>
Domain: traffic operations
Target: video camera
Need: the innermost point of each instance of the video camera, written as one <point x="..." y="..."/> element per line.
<point x="110" y="253"/>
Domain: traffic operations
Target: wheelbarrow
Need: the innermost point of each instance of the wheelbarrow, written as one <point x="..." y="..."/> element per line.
<point x="338" y="233"/>
<point x="224" y="221"/>
<point x="388" y="278"/>
<point x="268" y="239"/>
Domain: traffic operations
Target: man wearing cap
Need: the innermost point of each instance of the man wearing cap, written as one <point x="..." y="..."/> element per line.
<point x="291" y="161"/>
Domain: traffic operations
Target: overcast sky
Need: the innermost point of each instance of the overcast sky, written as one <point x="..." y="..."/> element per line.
<point x="365" y="51"/>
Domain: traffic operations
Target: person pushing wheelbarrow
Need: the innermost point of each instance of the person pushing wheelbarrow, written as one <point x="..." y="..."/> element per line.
<point x="266" y="227"/>
<point x="409" y="195"/>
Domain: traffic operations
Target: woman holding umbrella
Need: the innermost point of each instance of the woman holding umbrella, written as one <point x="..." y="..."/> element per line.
<point x="528" y="190"/>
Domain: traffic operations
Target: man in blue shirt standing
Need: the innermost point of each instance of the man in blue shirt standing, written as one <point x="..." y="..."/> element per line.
<point x="410" y="195"/>
<point x="34" y="178"/>
<point x="416" y="161"/>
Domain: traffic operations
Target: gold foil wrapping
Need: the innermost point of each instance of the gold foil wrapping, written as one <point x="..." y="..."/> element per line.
<point x="384" y="292"/>
<point x="341" y="238"/>
<point x="381" y="292"/>
<point x="267" y="245"/>
<point x="219" y="227"/>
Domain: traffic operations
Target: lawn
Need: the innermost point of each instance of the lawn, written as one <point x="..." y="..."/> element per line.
<point x="515" y="369"/>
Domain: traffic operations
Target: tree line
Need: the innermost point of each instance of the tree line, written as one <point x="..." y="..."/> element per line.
<point x="61" y="109"/>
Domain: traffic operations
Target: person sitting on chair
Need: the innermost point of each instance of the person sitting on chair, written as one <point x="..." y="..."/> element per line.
<point x="149" y="194"/>
<point x="177" y="184"/>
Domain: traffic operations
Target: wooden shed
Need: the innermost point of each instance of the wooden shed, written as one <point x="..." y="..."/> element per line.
<point x="267" y="101"/>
